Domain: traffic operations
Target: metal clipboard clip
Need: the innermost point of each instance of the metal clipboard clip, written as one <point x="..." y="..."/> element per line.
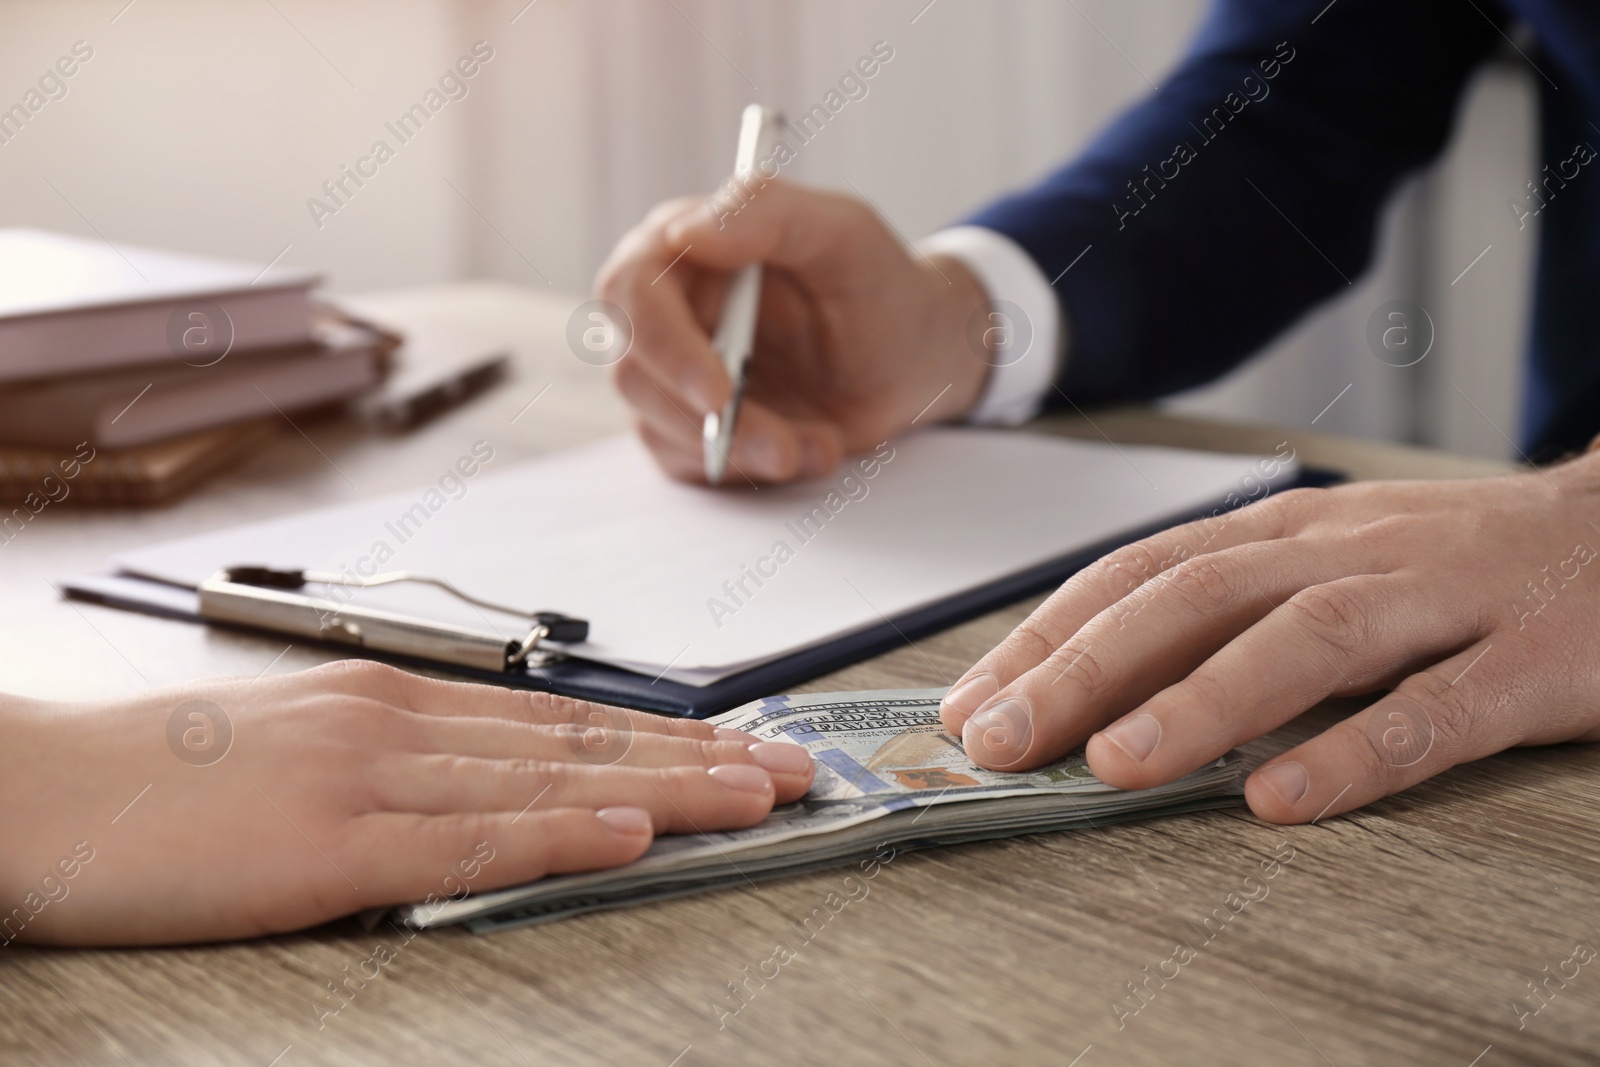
<point x="274" y="600"/>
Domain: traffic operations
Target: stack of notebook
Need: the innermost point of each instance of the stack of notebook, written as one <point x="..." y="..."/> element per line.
<point x="141" y="371"/>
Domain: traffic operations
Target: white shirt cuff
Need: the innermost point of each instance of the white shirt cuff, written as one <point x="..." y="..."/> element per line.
<point x="1027" y="333"/>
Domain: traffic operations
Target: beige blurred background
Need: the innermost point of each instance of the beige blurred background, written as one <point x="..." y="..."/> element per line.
<point x="208" y="124"/>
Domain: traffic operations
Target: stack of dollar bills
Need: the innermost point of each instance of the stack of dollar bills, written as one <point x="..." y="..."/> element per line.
<point x="886" y="774"/>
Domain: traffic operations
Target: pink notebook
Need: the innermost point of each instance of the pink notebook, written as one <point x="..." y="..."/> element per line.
<point x="70" y="304"/>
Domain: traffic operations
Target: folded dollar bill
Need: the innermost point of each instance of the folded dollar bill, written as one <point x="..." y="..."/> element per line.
<point x="887" y="774"/>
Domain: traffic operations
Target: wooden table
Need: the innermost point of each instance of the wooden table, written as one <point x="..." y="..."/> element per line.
<point x="1399" y="934"/>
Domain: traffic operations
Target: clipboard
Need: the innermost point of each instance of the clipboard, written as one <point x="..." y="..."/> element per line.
<point x="538" y="661"/>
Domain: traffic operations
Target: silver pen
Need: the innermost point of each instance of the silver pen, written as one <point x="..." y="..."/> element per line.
<point x="736" y="329"/>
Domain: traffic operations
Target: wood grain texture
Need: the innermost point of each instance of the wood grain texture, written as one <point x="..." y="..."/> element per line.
<point x="1398" y="934"/>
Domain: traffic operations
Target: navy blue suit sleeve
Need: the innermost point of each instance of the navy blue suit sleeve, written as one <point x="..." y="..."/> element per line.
<point x="1246" y="189"/>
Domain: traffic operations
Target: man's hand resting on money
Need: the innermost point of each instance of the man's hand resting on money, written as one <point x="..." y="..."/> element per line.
<point x="235" y="808"/>
<point x="1476" y="602"/>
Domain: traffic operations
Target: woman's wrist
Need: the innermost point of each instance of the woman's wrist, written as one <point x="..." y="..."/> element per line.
<point x="23" y="797"/>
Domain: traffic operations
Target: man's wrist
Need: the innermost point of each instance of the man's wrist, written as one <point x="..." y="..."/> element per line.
<point x="1018" y="331"/>
<point x="964" y="373"/>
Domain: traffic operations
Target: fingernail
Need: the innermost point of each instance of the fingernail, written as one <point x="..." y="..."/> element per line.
<point x="630" y="821"/>
<point x="699" y="390"/>
<point x="969" y="696"/>
<point x="743" y="777"/>
<point x="725" y="734"/>
<point x="676" y="232"/>
<point x="1001" y="733"/>
<point x="680" y="228"/>
<point x="1288" y="780"/>
<point x="764" y="456"/>
<point x="813" y="459"/>
<point x="1136" y="735"/>
<point x="781" y="758"/>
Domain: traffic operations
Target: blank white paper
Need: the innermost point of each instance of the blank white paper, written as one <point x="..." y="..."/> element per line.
<point x="695" y="584"/>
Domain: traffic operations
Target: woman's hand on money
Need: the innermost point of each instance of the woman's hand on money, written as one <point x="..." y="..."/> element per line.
<point x="235" y="808"/>
<point x="1476" y="602"/>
